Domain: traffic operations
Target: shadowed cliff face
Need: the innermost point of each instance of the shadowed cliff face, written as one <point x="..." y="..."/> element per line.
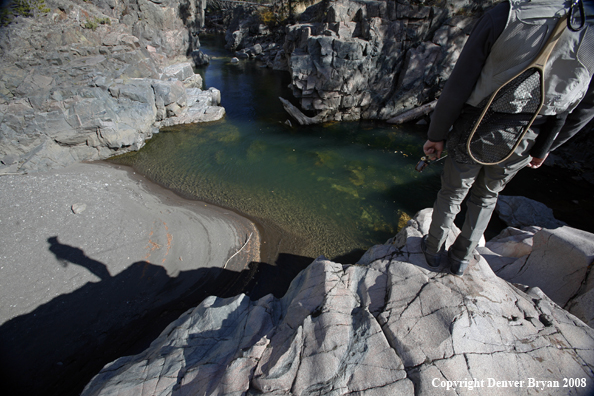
<point x="387" y="325"/>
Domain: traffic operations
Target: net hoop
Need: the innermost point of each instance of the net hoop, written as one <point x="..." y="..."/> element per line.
<point x="538" y="64"/>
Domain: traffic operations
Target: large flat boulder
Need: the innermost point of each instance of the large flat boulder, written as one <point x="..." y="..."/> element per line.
<point x="558" y="261"/>
<point x="518" y="211"/>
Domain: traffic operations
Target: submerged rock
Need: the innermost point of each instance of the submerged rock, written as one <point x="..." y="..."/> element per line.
<point x="387" y="325"/>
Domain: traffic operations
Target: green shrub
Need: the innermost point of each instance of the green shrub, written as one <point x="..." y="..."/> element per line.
<point x="89" y="24"/>
<point x="5" y="16"/>
<point x="268" y="17"/>
<point x="93" y="23"/>
<point x="25" y="8"/>
<point x="22" y="8"/>
<point x="103" y="21"/>
<point x="40" y="4"/>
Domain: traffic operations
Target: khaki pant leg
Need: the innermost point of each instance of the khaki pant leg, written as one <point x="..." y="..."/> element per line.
<point x="456" y="180"/>
<point x="484" y="183"/>
<point x="490" y="181"/>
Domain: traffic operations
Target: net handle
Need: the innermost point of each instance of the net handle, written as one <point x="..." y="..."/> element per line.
<point x="538" y="63"/>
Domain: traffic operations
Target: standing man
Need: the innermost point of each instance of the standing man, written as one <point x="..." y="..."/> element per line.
<point x="503" y="43"/>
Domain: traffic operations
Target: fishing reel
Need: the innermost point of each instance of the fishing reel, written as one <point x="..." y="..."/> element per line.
<point x="426" y="160"/>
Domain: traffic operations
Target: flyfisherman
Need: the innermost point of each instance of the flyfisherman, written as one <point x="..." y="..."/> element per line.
<point x="503" y="43"/>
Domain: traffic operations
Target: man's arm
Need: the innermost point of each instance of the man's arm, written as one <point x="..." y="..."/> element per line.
<point x="575" y="122"/>
<point x="577" y="119"/>
<point x="467" y="71"/>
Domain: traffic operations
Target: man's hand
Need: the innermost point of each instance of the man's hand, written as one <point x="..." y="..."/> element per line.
<point x="537" y="162"/>
<point x="433" y="148"/>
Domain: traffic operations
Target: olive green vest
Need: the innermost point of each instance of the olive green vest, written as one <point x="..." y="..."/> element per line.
<point x="569" y="69"/>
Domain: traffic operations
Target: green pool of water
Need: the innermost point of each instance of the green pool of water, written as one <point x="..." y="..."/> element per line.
<point x="331" y="188"/>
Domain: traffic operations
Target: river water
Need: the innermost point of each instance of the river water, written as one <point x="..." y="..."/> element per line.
<point x="333" y="189"/>
<point x="328" y="189"/>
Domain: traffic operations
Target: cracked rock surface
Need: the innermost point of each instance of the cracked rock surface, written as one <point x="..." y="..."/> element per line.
<point x="385" y="326"/>
<point x="558" y="260"/>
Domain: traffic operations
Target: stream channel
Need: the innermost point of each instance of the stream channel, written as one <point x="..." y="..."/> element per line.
<point x="333" y="189"/>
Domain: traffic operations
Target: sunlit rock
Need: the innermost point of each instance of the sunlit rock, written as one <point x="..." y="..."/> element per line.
<point x="558" y="261"/>
<point x="87" y="82"/>
<point x="387" y="325"/>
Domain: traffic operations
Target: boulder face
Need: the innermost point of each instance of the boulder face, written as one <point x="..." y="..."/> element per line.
<point x="558" y="261"/>
<point x="539" y="250"/>
<point x="518" y="211"/>
<point x="86" y="80"/>
<point x="375" y="59"/>
<point x="387" y="325"/>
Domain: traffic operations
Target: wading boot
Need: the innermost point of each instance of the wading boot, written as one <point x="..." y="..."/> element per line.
<point x="433" y="260"/>
<point x="457" y="266"/>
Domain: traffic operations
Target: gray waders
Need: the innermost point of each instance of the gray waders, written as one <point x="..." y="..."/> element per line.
<point x="484" y="182"/>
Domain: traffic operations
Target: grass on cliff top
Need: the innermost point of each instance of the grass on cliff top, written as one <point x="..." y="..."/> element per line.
<point x="26" y="8"/>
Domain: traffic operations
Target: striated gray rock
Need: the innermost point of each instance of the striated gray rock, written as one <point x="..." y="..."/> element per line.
<point x="90" y="80"/>
<point x="244" y="27"/>
<point x="200" y="58"/>
<point x="558" y="261"/>
<point x="384" y="326"/>
<point x="100" y="121"/>
<point x="202" y="106"/>
<point x="357" y="59"/>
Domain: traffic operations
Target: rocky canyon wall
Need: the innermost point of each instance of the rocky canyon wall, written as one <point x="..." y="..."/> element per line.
<point x="84" y="80"/>
<point x="355" y="59"/>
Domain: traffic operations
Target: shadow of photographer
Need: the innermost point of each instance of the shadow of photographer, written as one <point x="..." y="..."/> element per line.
<point x="58" y="347"/>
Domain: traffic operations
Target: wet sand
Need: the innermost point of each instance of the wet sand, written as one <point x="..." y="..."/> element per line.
<point x="96" y="261"/>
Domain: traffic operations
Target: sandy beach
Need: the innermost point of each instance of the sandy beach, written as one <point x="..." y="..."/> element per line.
<point x="96" y="260"/>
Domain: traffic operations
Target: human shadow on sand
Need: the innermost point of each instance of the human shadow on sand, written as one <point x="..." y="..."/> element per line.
<point x="57" y="348"/>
